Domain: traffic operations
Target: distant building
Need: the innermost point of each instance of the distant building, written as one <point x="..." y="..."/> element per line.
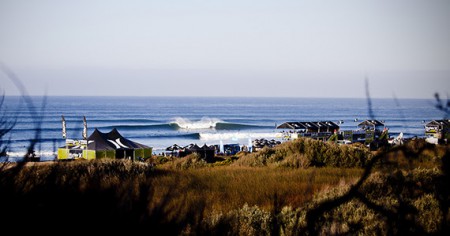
<point x="439" y="129"/>
<point x="311" y="127"/>
<point x="369" y="131"/>
<point x="372" y="125"/>
<point x="315" y="129"/>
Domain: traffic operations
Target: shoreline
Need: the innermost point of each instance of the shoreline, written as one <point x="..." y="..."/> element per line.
<point x="52" y="156"/>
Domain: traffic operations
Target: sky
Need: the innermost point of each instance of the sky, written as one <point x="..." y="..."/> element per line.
<point x="238" y="48"/>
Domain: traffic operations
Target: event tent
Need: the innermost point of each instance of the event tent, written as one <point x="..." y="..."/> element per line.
<point x="104" y="145"/>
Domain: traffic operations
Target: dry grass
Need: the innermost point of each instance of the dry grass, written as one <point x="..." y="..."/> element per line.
<point x="229" y="197"/>
<point x="227" y="188"/>
<point x="136" y="193"/>
<point x="305" y="152"/>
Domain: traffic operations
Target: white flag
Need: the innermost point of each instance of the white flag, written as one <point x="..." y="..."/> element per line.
<point x="63" y="127"/>
<point x="221" y="148"/>
<point x="84" y="127"/>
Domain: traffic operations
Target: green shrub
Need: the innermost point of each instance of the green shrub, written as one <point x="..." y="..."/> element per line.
<point x="305" y="152"/>
<point x="406" y="194"/>
<point x="248" y="220"/>
<point x="291" y="221"/>
<point x="430" y="217"/>
<point x="295" y="161"/>
<point x="225" y="162"/>
<point x="191" y="161"/>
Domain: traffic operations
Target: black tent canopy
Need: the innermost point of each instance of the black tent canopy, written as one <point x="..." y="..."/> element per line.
<point x="108" y="145"/>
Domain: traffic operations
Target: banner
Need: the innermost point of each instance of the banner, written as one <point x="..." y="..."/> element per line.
<point x="84" y="127"/>
<point x="63" y="127"/>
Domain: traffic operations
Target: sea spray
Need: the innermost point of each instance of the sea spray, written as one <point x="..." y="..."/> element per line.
<point x="236" y="136"/>
<point x="203" y="123"/>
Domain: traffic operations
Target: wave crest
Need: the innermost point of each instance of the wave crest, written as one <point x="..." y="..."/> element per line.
<point x="235" y="136"/>
<point x="204" y="123"/>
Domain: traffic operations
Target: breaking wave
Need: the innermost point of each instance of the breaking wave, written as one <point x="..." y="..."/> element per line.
<point x="173" y="136"/>
<point x="204" y="123"/>
<point x="211" y="123"/>
<point x="177" y="124"/>
<point x="236" y="136"/>
<point x="22" y="154"/>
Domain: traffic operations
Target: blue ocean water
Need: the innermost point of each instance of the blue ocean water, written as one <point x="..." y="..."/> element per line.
<point x="162" y="121"/>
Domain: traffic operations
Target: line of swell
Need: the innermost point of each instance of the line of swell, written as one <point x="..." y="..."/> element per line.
<point x="106" y="128"/>
<point x="156" y="136"/>
<point x="214" y="125"/>
<point x="235" y="126"/>
<point x="164" y="127"/>
<point x="80" y="121"/>
<point x="169" y="136"/>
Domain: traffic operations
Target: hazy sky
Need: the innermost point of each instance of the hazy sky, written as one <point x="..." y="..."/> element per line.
<point x="227" y="48"/>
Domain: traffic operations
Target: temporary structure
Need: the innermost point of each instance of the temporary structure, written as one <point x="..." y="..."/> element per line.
<point x="310" y="127"/>
<point x="439" y="129"/>
<point x="105" y="145"/>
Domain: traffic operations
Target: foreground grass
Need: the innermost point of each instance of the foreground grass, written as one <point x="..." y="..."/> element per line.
<point x="122" y="192"/>
<point x="407" y="192"/>
<point x="227" y="188"/>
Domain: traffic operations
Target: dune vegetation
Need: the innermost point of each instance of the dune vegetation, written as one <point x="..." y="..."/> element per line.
<point x="299" y="187"/>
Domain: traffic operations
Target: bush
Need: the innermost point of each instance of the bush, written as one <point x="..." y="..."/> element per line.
<point x="190" y="161"/>
<point x="403" y="201"/>
<point x="191" y="199"/>
<point x="291" y="221"/>
<point x="295" y="161"/>
<point x="248" y="220"/>
<point x="305" y="152"/>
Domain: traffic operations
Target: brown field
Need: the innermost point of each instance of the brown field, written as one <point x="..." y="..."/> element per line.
<point x="227" y="188"/>
<point x="302" y="186"/>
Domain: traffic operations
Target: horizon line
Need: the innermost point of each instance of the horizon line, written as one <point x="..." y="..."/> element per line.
<point x="200" y="96"/>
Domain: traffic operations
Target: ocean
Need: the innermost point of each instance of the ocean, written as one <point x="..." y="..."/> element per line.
<point x="163" y="121"/>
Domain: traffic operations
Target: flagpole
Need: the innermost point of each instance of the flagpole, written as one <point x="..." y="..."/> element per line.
<point x="85" y="135"/>
<point x="64" y="134"/>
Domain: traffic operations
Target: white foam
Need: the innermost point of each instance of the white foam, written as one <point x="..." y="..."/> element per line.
<point x="235" y="136"/>
<point x="22" y="154"/>
<point x="204" y="123"/>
